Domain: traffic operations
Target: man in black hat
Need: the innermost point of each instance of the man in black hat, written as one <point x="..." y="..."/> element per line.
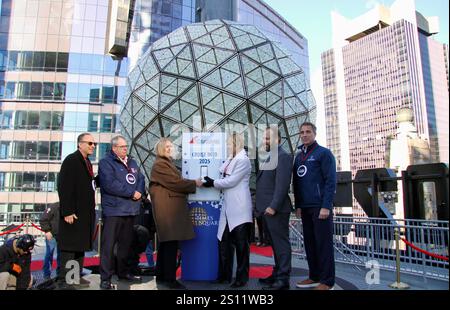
<point x="15" y="261"/>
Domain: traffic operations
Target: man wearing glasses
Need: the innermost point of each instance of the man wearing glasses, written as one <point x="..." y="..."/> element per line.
<point x="121" y="186"/>
<point x="76" y="190"/>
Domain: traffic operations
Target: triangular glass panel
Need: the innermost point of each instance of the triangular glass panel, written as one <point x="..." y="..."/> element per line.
<point x="196" y="31"/>
<point x="161" y="43"/>
<point x="177" y="37"/>
<point x="174" y="111"/>
<point x="212" y="27"/>
<point x="208" y="93"/>
<point x="133" y="76"/>
<point x="273" y="65"/>
<point x="236" y="87"/>
<point x="206" y="39"/>
<point x="187" y="110"/>
<point x="231" y="102"/>
<point x="150" y="136"/>
<point x="257" y="115"/>
<point x="288" y="66"/>
<point x="265" y="53"/>
<point x="297" y="83"/>
<point x="203" y="68"/>
<point x="211" y="118"/>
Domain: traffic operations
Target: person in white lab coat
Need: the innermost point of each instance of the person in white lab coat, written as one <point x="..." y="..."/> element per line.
<point x="236" y="213"/>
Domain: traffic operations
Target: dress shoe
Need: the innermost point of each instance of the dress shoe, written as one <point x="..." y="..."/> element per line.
<point x="130" y="278"/>
<point x="277" y="285"/>
<point x="238" y="283"/>
<point x="221" y="281"/>
<point x="175" y="285"/>
<point x="106" y="285"/>
<point x="63" y="285"/>
<point x="83" y="283"/>
<point x="269" y="280"/>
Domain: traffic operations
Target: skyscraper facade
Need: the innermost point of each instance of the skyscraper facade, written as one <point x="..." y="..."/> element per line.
<point x="381" y="62"/>
<point x="55" y="83"/>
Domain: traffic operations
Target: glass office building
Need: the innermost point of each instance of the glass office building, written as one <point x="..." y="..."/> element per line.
<point x="55" y="83"/>
<point x="383" y="61"/>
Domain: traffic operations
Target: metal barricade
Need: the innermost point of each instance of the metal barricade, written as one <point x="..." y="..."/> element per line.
<point x="359" y="240"/>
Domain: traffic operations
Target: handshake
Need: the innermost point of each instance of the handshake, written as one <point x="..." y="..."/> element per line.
<point x="208" y="182"/>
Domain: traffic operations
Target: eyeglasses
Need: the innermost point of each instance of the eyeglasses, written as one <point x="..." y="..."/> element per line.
<point x="122" y="146"/>
<point x="89" y="143"/>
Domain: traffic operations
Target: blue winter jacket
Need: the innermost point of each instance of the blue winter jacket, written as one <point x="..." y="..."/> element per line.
<point x="116" y="191"/>
<point x="315" y="186"/>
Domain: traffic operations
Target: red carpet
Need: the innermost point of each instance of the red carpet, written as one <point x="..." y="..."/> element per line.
<point x="255" y="271"/>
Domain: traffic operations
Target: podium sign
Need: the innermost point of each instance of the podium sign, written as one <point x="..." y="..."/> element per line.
<point x="203" y="154"/>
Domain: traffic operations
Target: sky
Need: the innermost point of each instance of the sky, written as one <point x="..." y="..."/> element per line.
<point x="312" y="18"/>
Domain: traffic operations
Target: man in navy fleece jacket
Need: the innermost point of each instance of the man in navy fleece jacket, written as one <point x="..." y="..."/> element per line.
<point x="314" y="178"/>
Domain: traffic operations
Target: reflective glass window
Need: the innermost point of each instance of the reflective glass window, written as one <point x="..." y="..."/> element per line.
<point x="30" y="150"/>
<point x="10" y="88"/>
<point x="47" y="90"/>
<point x="50" y="61"/>
<point x="103" y="149"/>
<point x="55" y="150"/>
<point x="97" y="64"/>
<point x="107" y="94"/>
<point x="57" y="120"/>
<point x="23" y="90"/>
<point x="28" y="182"/>
<point x="43" y="150"/>
<point x="93" y="122"/>
<point x="38" y="61"/>
<point x="18" y="150"/>
<point x="85" y="64"/>
<point x="3" y="60"/>
<point x="4" y="149"/>
<point x="25" y="60"/>
<point x="62" y="62"/>
<point x="84" y="91"/>
<point x="45" y="120"/>
<point x="94" y="93"/>
<point x="5" y="10"/>
<point x="6" y="119"/>
<point x="12" y="60"/>
<point x="20" y="120"/>
<point x="3" y="41"/>
<point x="72" y="92"/>
<point x="36" y="90"/>
<point x="60" y="91"/>
<point x="107" y="123"/>
<point x="70" y="120"/>
<point x="33" y="120"/>
<point x="74" y="63"/>
<point x="110" y="65"/>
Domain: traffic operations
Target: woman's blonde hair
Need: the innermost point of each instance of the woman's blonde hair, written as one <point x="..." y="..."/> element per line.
<point x="237" y="140"/>
<point x="160" y="147"/>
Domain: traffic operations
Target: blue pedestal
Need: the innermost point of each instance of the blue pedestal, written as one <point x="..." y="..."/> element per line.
<point x="200" y="256"/>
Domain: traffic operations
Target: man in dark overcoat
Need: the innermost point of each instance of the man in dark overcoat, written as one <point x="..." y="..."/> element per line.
<point x="76" y="190"/>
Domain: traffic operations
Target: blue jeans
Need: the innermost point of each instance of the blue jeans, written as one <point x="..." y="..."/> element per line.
<point x="149" y="254"/>
<point x="50" y="247"/>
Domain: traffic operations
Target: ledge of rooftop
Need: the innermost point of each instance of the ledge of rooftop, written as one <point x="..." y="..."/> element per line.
<point x="348" y="276"/>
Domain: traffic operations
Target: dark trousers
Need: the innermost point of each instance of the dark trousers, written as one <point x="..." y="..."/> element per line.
<point x="116" y="229"/>
<point x="237" y="239"/>
<point x="166" y="262"/>
<point x="263" y="233"/>
<point x="318" y="238"/>
<point x="278" y="227"/>
<point x="68" y="256"/>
